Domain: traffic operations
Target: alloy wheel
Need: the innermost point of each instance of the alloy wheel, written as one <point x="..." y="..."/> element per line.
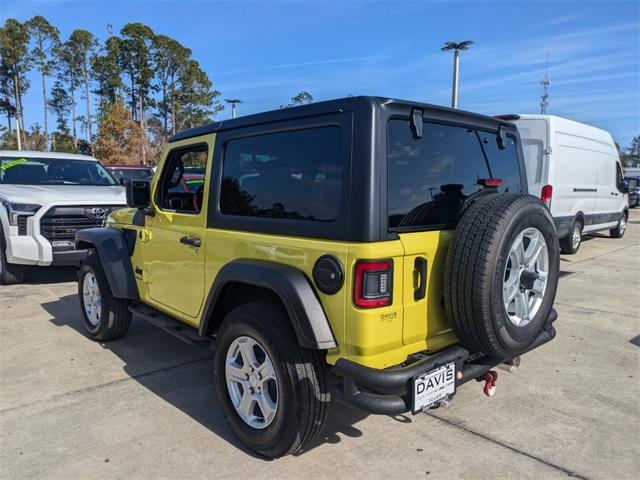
<point x="576" y="237"/>
<point x="525" y="277"/>
<point x="91" y="299"/>
<point x="251" y="382"/>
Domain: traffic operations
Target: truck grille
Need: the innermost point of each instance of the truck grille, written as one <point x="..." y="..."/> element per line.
<point x="22" y="224"/>
<point x="62" y="223"/>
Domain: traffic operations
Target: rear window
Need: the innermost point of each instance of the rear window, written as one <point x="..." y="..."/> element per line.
<point x="292" y="175"/>
<point x="430" y="177"/>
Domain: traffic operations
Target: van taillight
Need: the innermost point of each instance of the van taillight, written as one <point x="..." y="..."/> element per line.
<point x="373" y="283"/>
<point x="546" y="194"/>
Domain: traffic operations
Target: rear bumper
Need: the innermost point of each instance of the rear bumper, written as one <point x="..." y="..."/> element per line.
<point x="388" y="391"/>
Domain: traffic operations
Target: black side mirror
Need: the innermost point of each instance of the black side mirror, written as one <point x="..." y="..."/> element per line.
<point x="138" y="193"/>
<point x="122" y="181"/>
<point x="501" y="138"/>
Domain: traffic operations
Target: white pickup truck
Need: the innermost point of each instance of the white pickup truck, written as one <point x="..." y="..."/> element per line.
<point x="44" y="199"/>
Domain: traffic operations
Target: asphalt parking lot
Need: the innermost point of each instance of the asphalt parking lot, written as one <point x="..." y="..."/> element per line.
<point x="145" y="406"/>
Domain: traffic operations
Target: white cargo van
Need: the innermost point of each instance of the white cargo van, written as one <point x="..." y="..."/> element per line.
<point x="575" y="169"/>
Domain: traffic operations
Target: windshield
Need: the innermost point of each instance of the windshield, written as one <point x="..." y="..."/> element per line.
<point x="52" y="171"/>
<point x="131" y="173"/>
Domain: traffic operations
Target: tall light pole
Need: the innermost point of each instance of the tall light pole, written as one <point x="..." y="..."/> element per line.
<point x="233" y="102"/>
<point x="456" y="47"/>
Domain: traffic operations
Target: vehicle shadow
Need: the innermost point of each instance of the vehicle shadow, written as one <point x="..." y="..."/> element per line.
<point x="182" y="375"/>
<point x="49" y="275"/>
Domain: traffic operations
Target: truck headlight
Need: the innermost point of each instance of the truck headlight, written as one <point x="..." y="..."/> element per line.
<point x="16" y="209"/>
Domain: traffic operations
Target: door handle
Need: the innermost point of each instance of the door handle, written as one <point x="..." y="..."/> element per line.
<point x="420" y="265"/>
<point x="193" y="241"/>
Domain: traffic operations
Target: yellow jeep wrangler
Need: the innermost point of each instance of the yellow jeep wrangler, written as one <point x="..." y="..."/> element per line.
<point x="376" y="251"/>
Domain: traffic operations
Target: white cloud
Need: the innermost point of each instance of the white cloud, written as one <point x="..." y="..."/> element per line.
<point x="556" y="21"/>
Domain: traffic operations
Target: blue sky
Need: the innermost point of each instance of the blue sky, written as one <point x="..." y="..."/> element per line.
<point x="265" y="52"/>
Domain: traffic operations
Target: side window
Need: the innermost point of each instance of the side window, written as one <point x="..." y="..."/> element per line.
<point x="429" y="178"/>
<point x="181" y="186"/>
<point x="619" y="178"/>
<point x="293" y="175"/>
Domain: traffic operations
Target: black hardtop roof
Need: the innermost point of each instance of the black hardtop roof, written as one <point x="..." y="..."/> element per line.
<point x="347" y="104"/>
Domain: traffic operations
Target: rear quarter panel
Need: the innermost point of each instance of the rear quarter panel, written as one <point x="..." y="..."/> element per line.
<point x="223" y="246"/>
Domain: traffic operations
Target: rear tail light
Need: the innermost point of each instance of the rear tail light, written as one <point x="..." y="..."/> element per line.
<point x="490" y="182"/>
<point x="373" y="283"/>
<point x="546" y="194"/>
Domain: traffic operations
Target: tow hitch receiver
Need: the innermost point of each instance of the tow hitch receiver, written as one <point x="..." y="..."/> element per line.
<point x="490" y="378"/>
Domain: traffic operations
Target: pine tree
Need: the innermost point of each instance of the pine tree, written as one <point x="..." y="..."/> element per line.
<point x="68" y="71"/>
<point x="82" y="45"/>
<point x="107" y="72"/>
<point x="45" y="37"/>
<point x="302" y="98"/>
<point x="14" y="50"/>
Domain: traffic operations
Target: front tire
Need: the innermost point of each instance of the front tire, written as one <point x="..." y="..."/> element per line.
<point x="273" y="392"/>
<point x="105" y="316"/>
<point x="571" y="243"/>
<point x="618" y="232"/>
<point x="10" y="273"/>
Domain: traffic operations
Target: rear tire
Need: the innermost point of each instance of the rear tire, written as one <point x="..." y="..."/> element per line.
<point x="618" y="232"/>
<point x="10" y="273"/>
<point x="571" y="243"/>
<point x="298" y="401"/>
<point x="105" y="316"/>
<point x="501" y="274"/>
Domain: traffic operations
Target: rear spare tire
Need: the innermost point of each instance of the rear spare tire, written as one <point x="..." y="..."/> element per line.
<point x="501" y="274"/>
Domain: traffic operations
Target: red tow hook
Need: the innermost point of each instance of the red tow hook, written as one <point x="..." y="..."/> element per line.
<point x="490" y="379"/>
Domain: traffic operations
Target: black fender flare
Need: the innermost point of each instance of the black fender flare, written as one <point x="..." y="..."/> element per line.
<point x="114" y="247"/>
<point x="291" y="285"/>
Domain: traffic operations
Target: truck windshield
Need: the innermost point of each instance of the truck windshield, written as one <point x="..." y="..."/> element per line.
<point x="429" y="178"/>
<point x="52" y="171"/>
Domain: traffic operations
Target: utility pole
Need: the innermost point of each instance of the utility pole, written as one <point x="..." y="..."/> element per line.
<point x="233" y="102"/>
<point x="544" y="98"/>
<point x="456" y="47"/>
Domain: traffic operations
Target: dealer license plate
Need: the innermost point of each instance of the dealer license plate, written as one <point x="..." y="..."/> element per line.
<point x="434" y="386"/>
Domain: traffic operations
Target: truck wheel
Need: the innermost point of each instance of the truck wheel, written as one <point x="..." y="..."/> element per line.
<point x="501" y="274"/>
<point x="105" y="316"/>
<point x="618" y="232"/>
<point x="571" y="243"/>
<point x="10" y="273"/>
<point x="274" y="393"/>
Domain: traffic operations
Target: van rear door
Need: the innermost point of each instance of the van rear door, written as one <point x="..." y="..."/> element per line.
<point x="428" y="180"/>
